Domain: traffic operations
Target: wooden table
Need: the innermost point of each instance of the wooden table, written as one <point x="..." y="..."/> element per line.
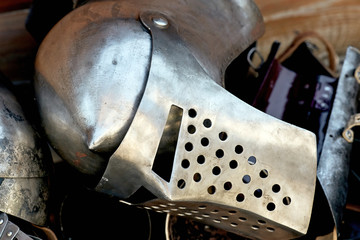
<point x="336" y="20"/>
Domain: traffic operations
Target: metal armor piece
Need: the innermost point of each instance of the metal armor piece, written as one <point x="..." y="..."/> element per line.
<point x="23" y="166"/>
<point x="200" y="150"/>
<point x="233" y="166"/>
<point x="334" y="162"/>
<point x="9" y="230"/>
<point x="92" y="67"/>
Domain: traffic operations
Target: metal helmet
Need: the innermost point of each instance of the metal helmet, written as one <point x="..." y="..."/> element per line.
<point x="24" y="164"/>
<point x="92" y="68"/>
<point x="132" y="93"/>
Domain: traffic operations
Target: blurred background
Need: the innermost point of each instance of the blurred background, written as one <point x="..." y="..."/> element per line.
<point x="335" y="20"/>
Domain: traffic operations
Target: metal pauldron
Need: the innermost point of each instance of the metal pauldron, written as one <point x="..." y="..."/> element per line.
<point x="231" y="165"/>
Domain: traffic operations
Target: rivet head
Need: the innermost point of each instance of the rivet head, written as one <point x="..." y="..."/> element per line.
<point x="1" y="221"/>
<point x="160" y="22"/>
<point x="9" y="234"/>
<point x="349" y="134"/>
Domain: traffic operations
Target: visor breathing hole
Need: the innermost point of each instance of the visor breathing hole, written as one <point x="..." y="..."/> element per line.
<point x="239" y="149"/>
<point x="286" y="201"/>
<point x="240" y="198"/>
<point x="201" y="159"/>
<point x="270" y="206"/>
<point x="258" y="193"/>
<point x="264" y="173"/>
<point x="191" y="129"/>
<point x="261" y="222"/>
<point x="246" y="179"/>
<point x="255" y="227"/>
<point x="192" y="113"/>
<point x="223" y="136"/>
<point x="219" y="153"/>
<point x="242" y="219"/>
<point x="185" y="163"/>
<point x="204" y="141"/>
<point x="276" y="188"/>
<point x="216" y="170"/>
<point x="227" y="186"/>
<point x="207" y="123"/>
<point x="233" y="164"/>
<point x="211" y="190"/>
<point x="252" y="160"/>
<point x="189" y="147"/>
<point x="197" y="177"/>
<point x="181" y="183"/>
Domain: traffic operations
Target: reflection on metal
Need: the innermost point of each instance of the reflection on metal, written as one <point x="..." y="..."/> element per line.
<point x="348" y="133"/>
<point x="90" y="85"/>
<point x="107" y="87"/>
<point x="333" y="167"/>
<point x="232" y="161"/>
<point x="24" y="164"/>
<point x="160" y="22"/>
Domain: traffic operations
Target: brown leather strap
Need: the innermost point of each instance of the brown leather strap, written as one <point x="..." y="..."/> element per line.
<point x="48" y="232"/>
<point x="306" y="36"/>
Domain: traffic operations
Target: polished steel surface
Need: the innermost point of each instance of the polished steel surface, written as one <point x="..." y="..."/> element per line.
<point x="110" y="74"/>
<point x="24" y="165"/>
<point x="92" y="68"/>
<point x="246" y="171"/>
<point x="334" y="161"/>
<point x="89" y="86"/>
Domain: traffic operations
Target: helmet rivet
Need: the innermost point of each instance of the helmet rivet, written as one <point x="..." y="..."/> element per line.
<point x="9" y="234"/>
<point x="160" y="22"/>
<point x="1" y="221"/>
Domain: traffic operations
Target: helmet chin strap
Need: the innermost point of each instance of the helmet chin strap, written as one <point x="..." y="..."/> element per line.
<point x="233" y="166"/>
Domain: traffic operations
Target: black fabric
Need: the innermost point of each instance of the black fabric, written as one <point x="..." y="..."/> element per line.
<point x="44" y="14"/>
